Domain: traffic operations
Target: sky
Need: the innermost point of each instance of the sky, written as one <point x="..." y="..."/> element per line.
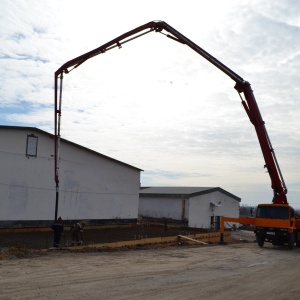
<point x="155" y="103"/>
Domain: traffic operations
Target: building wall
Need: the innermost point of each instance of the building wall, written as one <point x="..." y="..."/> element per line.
<point x="96" y="187"/>
<point x="201" y="209"/>
<point x="91" y="185"/>
<point x="196" y="210"/>
<point x="153" y="207"/>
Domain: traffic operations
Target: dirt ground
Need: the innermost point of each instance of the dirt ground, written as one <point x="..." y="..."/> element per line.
<point x="239" y="270"/>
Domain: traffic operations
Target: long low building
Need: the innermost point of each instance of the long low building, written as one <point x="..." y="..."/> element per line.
<point x="198" y="207"/>
<point x="93" y="186"/>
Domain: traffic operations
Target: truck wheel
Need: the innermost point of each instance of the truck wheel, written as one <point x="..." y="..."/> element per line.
<point x="291" y="241"/>
<point x="260" y="240"/>
<point x="297" y="241"/>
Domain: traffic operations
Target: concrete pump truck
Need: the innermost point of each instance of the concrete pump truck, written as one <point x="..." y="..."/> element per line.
<point x="275" y="222"/>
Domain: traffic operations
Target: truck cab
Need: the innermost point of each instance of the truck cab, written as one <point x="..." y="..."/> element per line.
<point x="277" y="224"/>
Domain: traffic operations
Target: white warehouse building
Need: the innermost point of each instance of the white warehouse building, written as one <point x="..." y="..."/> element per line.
<point x="93" y="187"/>
<point x="198" y="207"/>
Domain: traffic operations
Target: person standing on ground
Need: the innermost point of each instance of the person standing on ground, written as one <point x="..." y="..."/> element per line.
<point x="77" y="233"/>
<point x="58" y="228"/>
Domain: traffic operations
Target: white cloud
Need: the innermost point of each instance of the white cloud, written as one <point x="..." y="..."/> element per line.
<point x="155" y="103"/>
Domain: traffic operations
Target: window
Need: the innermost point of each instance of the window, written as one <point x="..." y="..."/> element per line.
<point x="31" y="146"/>
<point x="273" y="212"/>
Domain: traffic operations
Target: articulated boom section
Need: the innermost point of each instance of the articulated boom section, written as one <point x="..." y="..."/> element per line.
<point x="271" y="164"/>
<point x="253" y="113"/>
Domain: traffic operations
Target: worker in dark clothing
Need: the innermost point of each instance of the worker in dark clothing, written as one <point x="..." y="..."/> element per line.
<point x="58" y="228"/>
<point x="77" y="233"/>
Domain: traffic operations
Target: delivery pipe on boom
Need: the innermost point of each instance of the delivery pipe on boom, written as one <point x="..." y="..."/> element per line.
<point x="57" y="140"/>
<point x="242" y="86"/>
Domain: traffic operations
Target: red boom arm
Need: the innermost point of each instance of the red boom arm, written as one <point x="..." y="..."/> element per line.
<point x="242" y="86"/>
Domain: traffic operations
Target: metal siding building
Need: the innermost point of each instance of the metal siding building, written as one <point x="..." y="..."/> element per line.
<point x="200" y="207"/>
<point x="93" y="186"/>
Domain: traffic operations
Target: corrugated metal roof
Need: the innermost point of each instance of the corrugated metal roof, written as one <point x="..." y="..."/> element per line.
<point x="181" y="192"/>
<point x="186" y="190"/>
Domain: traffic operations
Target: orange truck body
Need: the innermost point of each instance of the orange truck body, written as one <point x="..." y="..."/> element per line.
<point x="274" y="223"/>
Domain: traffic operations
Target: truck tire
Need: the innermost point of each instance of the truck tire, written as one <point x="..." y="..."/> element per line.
<point x="297" y="239"/>
<point x="291" y="241"/>
<point x="260" y="240"/>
